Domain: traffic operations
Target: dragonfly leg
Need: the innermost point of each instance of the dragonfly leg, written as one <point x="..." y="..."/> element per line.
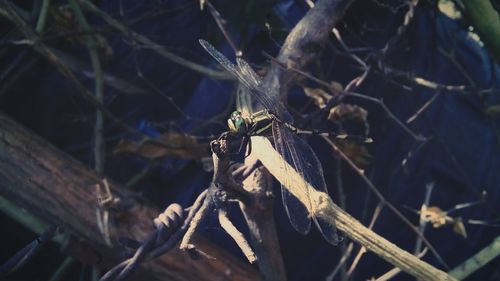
<point x="249" y="145"/>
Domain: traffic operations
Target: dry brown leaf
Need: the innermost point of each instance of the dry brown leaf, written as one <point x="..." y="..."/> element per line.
<point x="170" y="144"/>
<point x="356" y="152"/>
<point x="434" y="215"/>
<point x="438" y="218"/>
<point x="459" y="227"/>
<point x="319" y="96"/>
<point x="336" y="87"/>
<point x="347" y="111"/>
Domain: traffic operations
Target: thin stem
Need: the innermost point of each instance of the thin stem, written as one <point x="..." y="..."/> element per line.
<point x="42" y="17"/>
<point x="362" y="250"/>
<point x="423" y="108"/>
<point x="161" y="50"/>
<point x="423" y="222"/>
<point x="384" y="201"/>
<point x="99" y="143"/>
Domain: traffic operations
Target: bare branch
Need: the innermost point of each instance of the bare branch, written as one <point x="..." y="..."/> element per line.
<point x="324" y="207"/>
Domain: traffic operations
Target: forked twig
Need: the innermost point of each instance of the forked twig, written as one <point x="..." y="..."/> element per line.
<point x="237" y="236"/>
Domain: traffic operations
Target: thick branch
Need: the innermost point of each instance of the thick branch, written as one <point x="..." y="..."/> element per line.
<point x="324" y="207"/>
<point x="259" y="216"/>
<point x="304" y="43"/>
<point x="61" y="191"/>
<point x="306" y="40"/>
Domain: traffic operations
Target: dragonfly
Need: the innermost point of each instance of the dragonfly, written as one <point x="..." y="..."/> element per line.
<point x="293" y="149"/>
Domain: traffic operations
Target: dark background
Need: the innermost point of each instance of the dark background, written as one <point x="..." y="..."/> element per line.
<point x="462" y="157"/>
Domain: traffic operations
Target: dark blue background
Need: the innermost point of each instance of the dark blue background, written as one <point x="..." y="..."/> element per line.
<point x="462" y="158"/>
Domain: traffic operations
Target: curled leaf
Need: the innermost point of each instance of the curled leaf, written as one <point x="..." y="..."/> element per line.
<point x="459" y="227"/>
<point x="352" y="118"/>
<point x="434" y="215"/>
<point x="319" y="96"/>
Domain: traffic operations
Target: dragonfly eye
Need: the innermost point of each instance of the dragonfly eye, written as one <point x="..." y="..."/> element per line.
<point x="236" y="123"/>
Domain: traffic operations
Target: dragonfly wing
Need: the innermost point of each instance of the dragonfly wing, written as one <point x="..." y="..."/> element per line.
<point x="265" y="95"/>
<point x="308" y="166"/>
<point x="246" y="76"/>
<point x="249" y="73"/>
<point x="226" y="63"/>
<point x="296" y="210"/>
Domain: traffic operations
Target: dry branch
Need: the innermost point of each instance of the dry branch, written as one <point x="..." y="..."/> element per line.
<point x="323" y="206"/>
<point x="61" y="191"/>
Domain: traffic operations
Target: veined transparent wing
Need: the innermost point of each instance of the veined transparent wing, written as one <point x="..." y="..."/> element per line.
<point x="302" y="158"/>
<point x="308" y="166"/>
<point x="246" y="76"/>
<point x="297" y="210"/>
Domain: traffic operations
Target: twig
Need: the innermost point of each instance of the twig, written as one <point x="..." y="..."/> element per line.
<point x="451" y="57"/>
<point x="356" y="82"/>
<point x="423" y="108"/>
<point x="391" y="115"/>
<point x="468" y="204"/>
<point x="344" y="94"/>
<point x="237" y="236"/>
<point x="362" y="250"/>
<point x="387" y="70"/>
<point x="154" y="46"/>
<point x="9" y="12"/>
<point x="423" y="222"/>
<point x="25" y="254"/>
<point x="221" y="23"/>
<point x="193" y="224"/>
<point x="351" y="54"/>
<point x="391" y="44"/>
<point x="341" y="264"/>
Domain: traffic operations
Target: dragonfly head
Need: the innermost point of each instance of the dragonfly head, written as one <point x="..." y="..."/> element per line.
<point x="236" y="123"/>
